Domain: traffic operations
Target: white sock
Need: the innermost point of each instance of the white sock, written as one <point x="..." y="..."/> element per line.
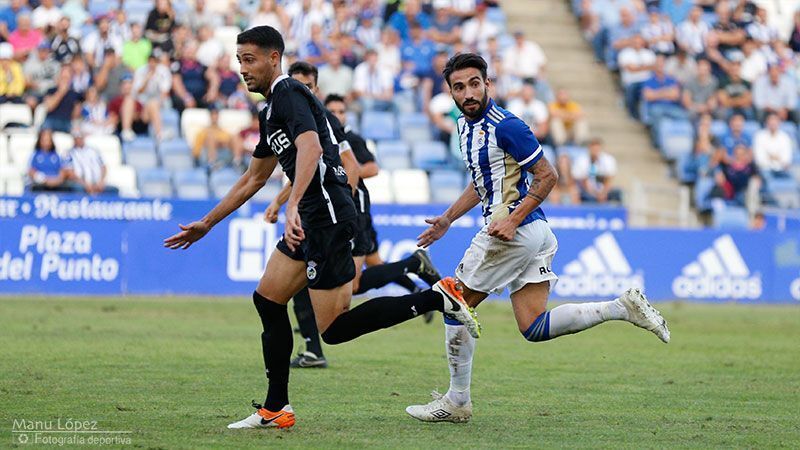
<point x="459" y="346"/>
<point x="574" y="317"/>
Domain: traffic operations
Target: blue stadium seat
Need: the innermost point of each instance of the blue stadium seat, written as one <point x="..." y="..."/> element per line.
<point x="394" y="155"/>
<point x="155" y="182"/>
<point x="176" y="155"/>
<point x="352" y="121"/>
<point x="791" y="129"/>
<point x="140" y="153"/>
<point x="702" y="188"/>
<point x="751" y="127"/>
<point x="550" y="154"/>
<point x="719" y="128"/>
<point x="414" y="127"/>
<point x="784" y="190"/>
<point x="170" y="123"/>
<point x="101" y="7"/>
<point x="429" y="155"/>
<point x="191" y="184"/>
<point x="222" y="180"/>
<point x="731" y="217"/>
<point x="573" y="151"/>
<point x="378" y="125"/>
<point x="682" y="171"/>
<point x="136" y="11"/>
<point x="269" y="191"/>
<point x="446" y="185"/>
<point x="675" y="138"/>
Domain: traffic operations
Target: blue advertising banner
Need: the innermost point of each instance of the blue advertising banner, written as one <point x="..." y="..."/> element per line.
<point x="52" y="244"/>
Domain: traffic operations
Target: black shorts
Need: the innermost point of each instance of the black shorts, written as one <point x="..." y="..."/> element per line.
<point x="362" y="243"/>
<point x="327" y="253"/>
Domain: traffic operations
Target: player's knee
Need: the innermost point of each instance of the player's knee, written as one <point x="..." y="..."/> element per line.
<point x="265" y="306"/>
<point x="539" y="330"/>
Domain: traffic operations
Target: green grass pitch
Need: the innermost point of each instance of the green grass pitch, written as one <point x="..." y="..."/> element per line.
<point x="175" y="371"/>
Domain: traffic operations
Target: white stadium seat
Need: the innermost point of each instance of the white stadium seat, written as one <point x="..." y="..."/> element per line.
<point x="15" y="187"/>
<point x="20" y="149"/>
<point x="64" y="142"/>
<point x="15" y="113"/>
<point x="4" y="159"/>
<point x="234" y="120"/>
<point x="411" y="186"/>
<point x="192" y="121"/>
<point x="380" y="187"/>
<point x="123" y="178"/>
<point x="39" y="115"/>
<point x="108" y="146"/>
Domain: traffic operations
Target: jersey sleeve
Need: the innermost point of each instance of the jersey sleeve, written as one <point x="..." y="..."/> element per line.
<point x="360" y="150"/>
<point x="262" y="149"/>
<point x="294" y="108"/>
<point x="517" y="139"/>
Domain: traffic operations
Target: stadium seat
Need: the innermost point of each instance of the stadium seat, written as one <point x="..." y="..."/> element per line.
<point x="791" y="129"/>
<point x="378" y="125"/>
<point x="15" y="187"/>
<point x="176" y="154"/>
<point x="222" y="181"/>
<point x="39" y="114"/>
<point x="140" y="153"/>
<point x="730" y="217"/>
<point x="14" y="113"/>
<point x="192" y="121"/>
<point x="393" y="155"/>
<point x="136" y="11"/>
<point x="108" y="146"/>
<point x="573" y="151"/>
<point x="414" y="127"/>
<point x="682" y="172"/>
<point x="380" y="188"/>
<point x="12" y="180"/>
<point x="191" y="184"/>
<point x="751" y="127"/>
<point x="170" y="124"/>
<point x="549" y="154"/>
<point x="446" y="185"/>
<point x="675" y="138"/>
<point x="123" y="178"/>
<point x="429" y="155"/>
<point x="410" y="186"/>
<point x="352" y="121"/>
<point x="64" y="142"/>
<point x="234" y="120"/>
<point x="719" y="128"/>
<point x="20" y="149"/>
<point x="702" y="188"/>
<point x="784" y="190"/>
<point x="155" y="183"/>
<point x="269" y="191"/>
<point x="4" y="158"/>
<point x="101" y="7"/>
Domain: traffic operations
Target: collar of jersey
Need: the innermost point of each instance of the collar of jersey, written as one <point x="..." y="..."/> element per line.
<point x="280" y="78"/>
<point x="489" y="105"/>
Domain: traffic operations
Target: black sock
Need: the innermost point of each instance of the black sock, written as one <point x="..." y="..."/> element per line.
<point x="381" y="312"/>
<point x="383" y="274"/>
<point x="406" y="283"/>
<point x="276" y="345"/>
<point x="307" y="322"/>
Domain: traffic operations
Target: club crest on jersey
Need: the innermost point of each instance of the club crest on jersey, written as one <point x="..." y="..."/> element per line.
<point x="311" y="270"/>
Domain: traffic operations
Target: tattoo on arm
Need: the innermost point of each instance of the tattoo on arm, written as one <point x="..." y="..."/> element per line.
<point x="544" y="179"/>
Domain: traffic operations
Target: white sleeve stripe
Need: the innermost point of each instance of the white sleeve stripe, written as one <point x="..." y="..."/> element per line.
<point x="344" y="146"/>
<point x="530" y="158"/>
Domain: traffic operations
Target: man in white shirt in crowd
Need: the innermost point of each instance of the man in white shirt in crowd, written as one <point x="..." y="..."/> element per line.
<point x="373" y="85"/>
<point x="95" y="43"/>
<point x="692" y="33"/>
<point x="532" y="111"/>
<point x="151" y="87"/>
<point x="85" y="167"/>
<point x="635" y="65"/>
<point x="774" y="93"/>
<point x="595" y="173"/>
<point x="475" y="32"/>
<point x="772" y="149"/>
<point x="334" y="77"/>
<point x="524" y="59"/>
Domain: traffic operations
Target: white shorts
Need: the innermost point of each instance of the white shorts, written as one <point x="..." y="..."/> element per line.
<point x="490" y="264"/>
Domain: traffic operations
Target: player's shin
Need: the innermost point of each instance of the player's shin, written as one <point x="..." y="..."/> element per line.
<point x="460" y="346"/>
<point x="572" y="318"/>
<point x="379" y="313"/>
<point x="276" y="345"/>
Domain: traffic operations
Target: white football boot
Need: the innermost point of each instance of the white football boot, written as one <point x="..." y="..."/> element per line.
<point x="264" y="418"/>
<point x="441" y="409"/>
<point x="642" y="314"/>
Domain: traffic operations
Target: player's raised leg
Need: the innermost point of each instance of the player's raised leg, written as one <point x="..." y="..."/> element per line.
<point x="282" y="279"/>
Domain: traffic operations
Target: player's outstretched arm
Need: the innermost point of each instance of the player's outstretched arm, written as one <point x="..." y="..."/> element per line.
<point x="271" y="213"/>
<point x="440" y="225"/>
<point x="248" y="184"/>
<point x="544" y="179"/>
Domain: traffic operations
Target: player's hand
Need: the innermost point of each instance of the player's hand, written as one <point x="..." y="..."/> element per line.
<point x="438" y="227"/>
<point x="293" y="233"/>
<point x="189" y="235"/>
<point x="504" y="229"/>
<point x="271" y="213"/>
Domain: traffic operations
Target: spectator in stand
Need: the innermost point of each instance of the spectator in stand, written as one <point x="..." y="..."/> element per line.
<point x="209" y="48"/>
<point x="699" y="95"/>
<point x="303" y="14"/>
<point x="443" y="114"/>
<point x="368" y="30"/>
<point x="659" y="33"/>
<point x="46" y="16"/>
<point x="760" y="30"/>
<point x="758" y="222"/>
<point x="127" y="113"/>
<point x="243" y="147"/>
<point x="636" y="66"/>
<point x="566" y="185"/>
<point x="661" y="96"/>
<point x="567" y="121"/>
<point x="503" y="86"/>
<point x="334" y="77"/>
<point x="621" y="36"/>
<point x="729" y="34"/>
<point x="720" y="65"/>
<point x="735" y="96"/>
<point x="120" y="27"/>
<point x="136" y="51"/>
<point x="12" y="79"/>
<point x="772" y="150"/>
<point x="676" y="10"/>
<point x="794" y="41"/>
<point x="697" y="164"/>
<point x="594" y="174"/>
<point x="691" y="36"/>
<point x="62" y="103"/>
<point x="406" y="88"/>
<point x="524" y="59"/>
<point x="733" y="176"/>
<point x="775" y="93"/>
<point x="476" y="31"/>
<point x="94" y="113"/>
<point x="25" y="38"/>
<point x="735" y="135"/>
<point x="85" y="168"/>
<point x="272" y="14"/>
<point x="160" y="24"/>
<point x="10" y="14"/>
<point x="431" y="84"/>
<point x="401" y="20"/>
<point x="81" y="75"/>
<point x="211" y="139"/>
<point x="373" y="85"/>
<point x="418" y="49"/>
<point x="94" y="45"/>
<point x="532" y="111"/>
<point x="315" y="48"/>
<point x="109" y="77"/>
<point x="64" y="46"/>
<point x="77" y="13"/>
<point x="151" y="88"/>
<point x="41" y="72"/>
<point x="200" y="16"/>
<point x="46" y="171"/>
<point x="229" y="80"/>
<point x="446" y="28"/>
<point x="193" y="84"/>
<point x="754" y="64"/>
<point x="388" y="51"/>
<point x="681" y="67"/>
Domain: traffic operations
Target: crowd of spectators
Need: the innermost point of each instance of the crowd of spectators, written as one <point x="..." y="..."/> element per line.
<point x="730" y="68"/>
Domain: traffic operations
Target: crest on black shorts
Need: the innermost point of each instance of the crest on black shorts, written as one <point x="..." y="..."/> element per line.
<point x="311" y="270"/>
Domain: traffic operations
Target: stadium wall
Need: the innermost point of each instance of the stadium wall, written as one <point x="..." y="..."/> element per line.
<point x="77" y="245"/>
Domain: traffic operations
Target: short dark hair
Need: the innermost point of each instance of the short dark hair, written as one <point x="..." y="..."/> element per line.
<point x="304" y="68"/>
<point x="263" y="36"/>
<point x="464" y="61"/>
<point x="334" y="98"/>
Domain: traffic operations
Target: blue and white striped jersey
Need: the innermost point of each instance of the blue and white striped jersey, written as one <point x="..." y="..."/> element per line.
<point x="498" y="149"/>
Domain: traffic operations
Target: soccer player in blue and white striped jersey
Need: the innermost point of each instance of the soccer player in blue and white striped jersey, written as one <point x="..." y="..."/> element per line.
<point x="515" y="247"/>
